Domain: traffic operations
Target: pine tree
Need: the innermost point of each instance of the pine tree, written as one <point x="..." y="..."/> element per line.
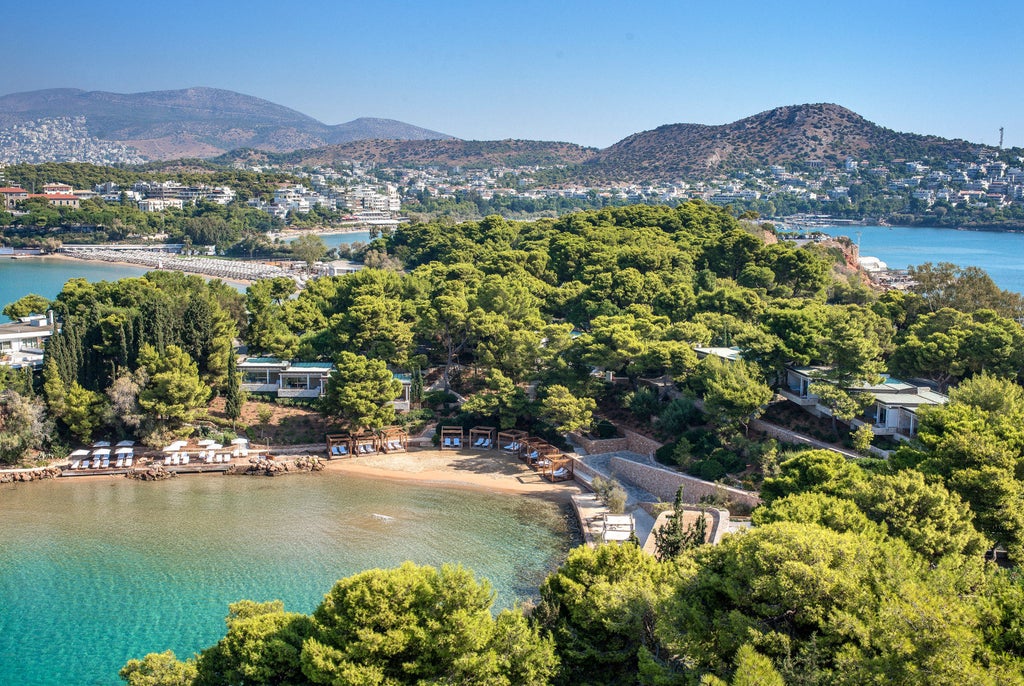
<point x="674" y="538"/>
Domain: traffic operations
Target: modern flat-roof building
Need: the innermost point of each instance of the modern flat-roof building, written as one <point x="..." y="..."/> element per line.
<point x="288" y="379"/>
<point x="21" y="342"/>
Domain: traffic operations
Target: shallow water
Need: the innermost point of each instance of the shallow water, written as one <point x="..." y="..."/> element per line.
<point x="96" y="571"/>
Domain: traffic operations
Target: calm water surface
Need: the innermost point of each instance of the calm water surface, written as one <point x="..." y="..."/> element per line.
<point x="45" y="276"/>
<point x="95" y="571"/>
<point x="999" y="253"/>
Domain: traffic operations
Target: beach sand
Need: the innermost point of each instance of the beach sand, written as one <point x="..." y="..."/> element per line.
<point x="70" y="258"/>
<point x="488" y="470"/>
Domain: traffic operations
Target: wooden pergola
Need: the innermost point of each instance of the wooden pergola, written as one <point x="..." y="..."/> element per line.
<point x="559" y="468"/>
<point x="394" y="439"/>
<point x="365" y="444"/>
<point x="482" y="437"/>
<point x="531" y="448"/>
<point x="339" y="445"/>
<point x="542" y="454"/>
<point x="451" y="438"/>
<point x="510" y="440"/>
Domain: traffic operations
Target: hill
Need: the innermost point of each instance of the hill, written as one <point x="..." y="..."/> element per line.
<point x="194" y="122"/>
<point x="824" y="132"/>
<point x="444" y="153"/>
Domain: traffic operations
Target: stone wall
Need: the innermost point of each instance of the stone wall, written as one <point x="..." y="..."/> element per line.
<point x="631" y="441"/>
<point x="663" y="484"/>
<point x="9" y="476"/>
<point x="597" y="446"/>
<point x="640" y="444"/>
<point x="787" y="436"/>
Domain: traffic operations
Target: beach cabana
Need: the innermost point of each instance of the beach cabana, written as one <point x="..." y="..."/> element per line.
<point x="530" y="449"/>
<point x="101" y="457"/>
<point x="451" y="438"/>
<point x="559" y="468"/>
<point x="240" y="447"/>
<point x="542" y="454"/>
<point x="482" y="437"/>
<point x="122" y="454"/>
<point x="365" y="444"/>
<point x="511" y="440"/>
<point x="339" y="445"/>
<point x="394" y="439"/>
<point x="76" y="457"/>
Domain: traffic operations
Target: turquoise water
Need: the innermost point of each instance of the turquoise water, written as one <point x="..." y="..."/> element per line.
<point x="999" y="253"/>
<point x="46" y="276"/>
<point x="95" y="571"/>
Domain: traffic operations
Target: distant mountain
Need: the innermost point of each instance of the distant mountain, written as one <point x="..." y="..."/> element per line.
<point x="443" y="153"/>
<point x="195" y="122"/>
<point x="824" y="132"/>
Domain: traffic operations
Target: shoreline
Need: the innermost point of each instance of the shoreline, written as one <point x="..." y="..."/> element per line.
<point x="471" y="470"/>
<point x="118" y="263"/>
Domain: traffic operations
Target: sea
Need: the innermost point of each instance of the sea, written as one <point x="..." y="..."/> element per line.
<point x="96" y="570"/>
<point x="1000" y="253"/>
<point x="46" y="276"/>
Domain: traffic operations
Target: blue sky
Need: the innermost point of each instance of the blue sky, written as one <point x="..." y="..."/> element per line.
<point x="586" y="72"/>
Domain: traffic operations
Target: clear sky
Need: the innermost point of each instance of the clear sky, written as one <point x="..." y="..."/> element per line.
<point x="587" y="72"/>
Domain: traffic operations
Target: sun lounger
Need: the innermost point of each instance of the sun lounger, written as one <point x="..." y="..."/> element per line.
<point x="176" y="458"/>
<point x="209" y="458"/>
<point x="447" y="443"/>
<point x="218" y="458"/>
<point x="457" y="442"/>
<point x="83" y="464"/>
<point x="487" y="443"/>
<point x="96" y="462"/>
<point x="74" y="465"/>
<point x="120" y="461"/>
<point x="342" y="450"/>
<point x="167" y="460"/>
<point x="227" y="457"/>
<point x="128" y="461"/>
<point x="184" y="458"/>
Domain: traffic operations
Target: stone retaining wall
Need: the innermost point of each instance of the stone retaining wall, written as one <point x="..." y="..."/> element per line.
<point x="640" y="444"/>
<point x="597" y="446"/>
<point x="663" y="484"/>
<point x="787" y="436"/>
<point x="583" y="473"/>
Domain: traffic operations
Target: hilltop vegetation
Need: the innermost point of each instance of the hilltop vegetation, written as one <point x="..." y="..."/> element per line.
<point x="856" y="572"/>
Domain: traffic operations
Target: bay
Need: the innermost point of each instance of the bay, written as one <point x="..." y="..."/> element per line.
<point x="96" y="570"/>
<point x="46" y="276"/>
<point x="999" y="253"/>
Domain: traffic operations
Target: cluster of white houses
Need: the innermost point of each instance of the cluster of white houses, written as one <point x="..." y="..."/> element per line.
<point x="291" y="379"/>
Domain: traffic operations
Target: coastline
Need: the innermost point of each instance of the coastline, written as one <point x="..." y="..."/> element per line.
<point x="487" y="471"/>
<point x="120" y="263"/>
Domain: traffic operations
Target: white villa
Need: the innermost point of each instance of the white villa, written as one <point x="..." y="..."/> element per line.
<point x="288" y="379"/>
<point x="21" y="342"/>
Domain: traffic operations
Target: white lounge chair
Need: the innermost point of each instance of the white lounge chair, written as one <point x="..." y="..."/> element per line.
<point x="120" y="461"/>
<point x="176" y="458"/>
<point x="167" y="460"/>
<point x="74" y="465"/>
<point x="184" y="458"/>
<point x="128" y="461"/>
<point x="486" y="443"/>
<point x="560" y="472"/>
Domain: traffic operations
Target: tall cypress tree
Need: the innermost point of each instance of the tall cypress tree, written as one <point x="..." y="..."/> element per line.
<point x="234" y="397"/>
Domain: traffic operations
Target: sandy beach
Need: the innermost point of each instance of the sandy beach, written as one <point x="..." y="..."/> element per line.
<point x="488" y="470"/>
<point x="71" y="258"/>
